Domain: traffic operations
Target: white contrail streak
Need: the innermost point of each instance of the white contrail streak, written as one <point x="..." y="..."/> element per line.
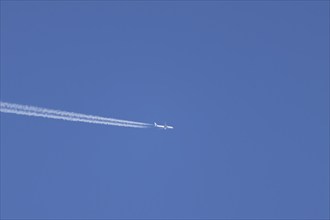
<point x="18" y="112"/>
<point x="6" y="107"/>
<point x="65" y="113"/>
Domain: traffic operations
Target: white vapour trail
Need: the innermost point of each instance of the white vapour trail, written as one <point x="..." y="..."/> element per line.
<point x="68" y="116"/>
<point x="65" y="113"/>
<point x="36" y="114"/>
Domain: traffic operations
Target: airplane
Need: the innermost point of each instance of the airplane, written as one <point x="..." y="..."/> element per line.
<point x="163" y="126"/>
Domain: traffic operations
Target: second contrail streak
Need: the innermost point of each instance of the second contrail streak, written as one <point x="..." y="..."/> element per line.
<point x="6" y="107"/>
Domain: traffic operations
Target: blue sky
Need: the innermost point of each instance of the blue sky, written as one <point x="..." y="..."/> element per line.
<point x="246" y="85"/>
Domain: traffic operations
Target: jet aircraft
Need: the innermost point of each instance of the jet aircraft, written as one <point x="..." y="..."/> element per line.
<point x="163" y="126"/>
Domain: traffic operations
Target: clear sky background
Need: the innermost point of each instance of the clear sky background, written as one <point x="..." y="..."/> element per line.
<point x="246" y="85"/>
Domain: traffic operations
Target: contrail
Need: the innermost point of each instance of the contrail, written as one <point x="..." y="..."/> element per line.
<point x="6" y="107"/>
<point x="65" y="113"/>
